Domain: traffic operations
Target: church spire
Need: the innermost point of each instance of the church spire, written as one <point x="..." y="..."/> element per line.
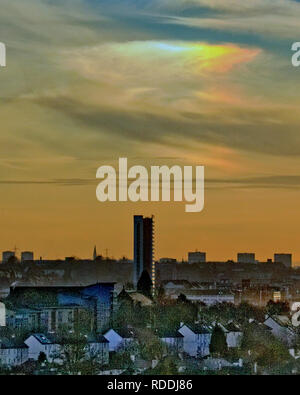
<point x="95" y="253"/>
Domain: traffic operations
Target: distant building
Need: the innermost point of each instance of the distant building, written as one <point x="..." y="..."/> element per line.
<point x="27" y="256"/>
<point x="95" y="253"/>
<point x="143" y="248"/>
<point x="246" y="257"/>
<point x="276" y="296"/>
<point x="196" y="257"/>
<point x="285" y="259"/>
<point x="168" y="260"/>
<point x="6" y="255"/>
<point x="208" y="296"/>
<point x="173" y="288"/>
<point x="246" y="283"/>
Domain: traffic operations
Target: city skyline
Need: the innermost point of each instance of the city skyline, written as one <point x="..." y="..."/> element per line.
<point x="240" y="257"/>
<point x="167" y="82"/>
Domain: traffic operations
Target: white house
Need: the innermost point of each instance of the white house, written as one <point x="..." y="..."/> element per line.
<point x="39" y="343"/>
<point x="172" y="339"/>
<point x="96" y="347"/>
<point x="12" y="352"/>
<point x="196" y="339"/>
<point x="281" y="328"/>
<point x="119" y="338"/>
<point x="233" y="334"/>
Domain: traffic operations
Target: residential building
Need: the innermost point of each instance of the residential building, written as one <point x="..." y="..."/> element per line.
<point x="196" y="339"/>
<point x="233" y="334"/>
<point x="119" y="338"/>
<point x="246" y="257"/>
<point x="173" y="288"/>
<point x="208" y="296"/>
<point x="13" y="352"/>
<point x="50" y="319"/>
<point x="7" y="255"/>
<point x="143" y="248"/>
<point x="56" y="303"/>
<point x="172" y="339"/>
<point x="168" y="260"/>
<point x="282" y="328"/>
<point x="22" y="318"/>
<point x="285" y="259"/>
<point x="27" y="256"/>
<point x="95" y="347"/>
<point x="196" y="257"/>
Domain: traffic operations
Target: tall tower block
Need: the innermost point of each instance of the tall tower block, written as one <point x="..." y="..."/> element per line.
<point x="143" y="248"/>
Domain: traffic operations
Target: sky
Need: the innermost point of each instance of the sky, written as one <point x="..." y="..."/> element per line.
<point x="161" y="82"/>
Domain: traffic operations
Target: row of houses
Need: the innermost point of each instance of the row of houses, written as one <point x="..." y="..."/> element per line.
<point x="193" y="340"/>
<point x="93" y="348"/>
<point x="15" y="353"/>
<point x="190" y="339"/>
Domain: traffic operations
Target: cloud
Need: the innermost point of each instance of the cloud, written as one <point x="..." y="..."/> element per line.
<point x="278" y="18"/>
<point x="271" y="18"/>
<point x="256" y="130"/>
<point x="85" y="89"/>
<point x="291" y="182"/>
<point x="192" y="93"/>
<point x="62" y="182"/>
<point x="273" y="181"/>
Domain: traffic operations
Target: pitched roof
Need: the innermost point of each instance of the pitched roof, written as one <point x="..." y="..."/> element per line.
<point x="46" y="339"/>
<point x="282" y="320"/>
<point x="231" y="327"/>
<point x="168" y="333"/>
<point x="200" y="329"/>
<point x="43" y="339"/>
<point x="125" y="332"/>
<point x="8" y="343"/>
<point x="140" y="298"/>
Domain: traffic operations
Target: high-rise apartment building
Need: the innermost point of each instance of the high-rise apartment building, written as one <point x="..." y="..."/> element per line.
<point x="143" y="248"/>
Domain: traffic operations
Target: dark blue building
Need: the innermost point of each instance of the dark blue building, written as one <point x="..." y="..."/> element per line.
<point x="97" y="298"/>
